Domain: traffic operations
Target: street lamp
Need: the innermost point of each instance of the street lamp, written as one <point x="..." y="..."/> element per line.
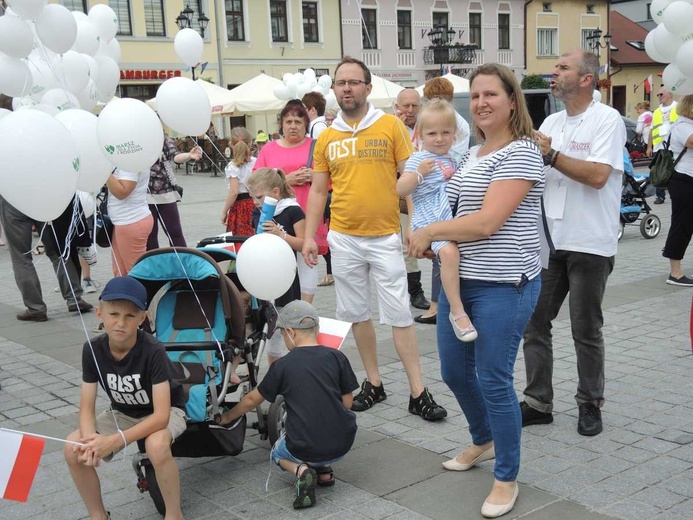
<point x="442" y="50"/>
<point x="594" y="43"/>
<point x="185" y="20"/>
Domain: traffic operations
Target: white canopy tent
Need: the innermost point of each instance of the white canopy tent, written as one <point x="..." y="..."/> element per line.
<point x="256" y="96"/>
<point x="384" y="92"/>
<point x="459" y="84"/>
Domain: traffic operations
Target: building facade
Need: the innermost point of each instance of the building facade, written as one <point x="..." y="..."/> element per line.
<point x="561" y="25"/>
<point x="392" y="36"/>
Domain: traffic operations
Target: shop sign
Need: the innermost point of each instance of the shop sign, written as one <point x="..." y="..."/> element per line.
<point x="149" y="74"/>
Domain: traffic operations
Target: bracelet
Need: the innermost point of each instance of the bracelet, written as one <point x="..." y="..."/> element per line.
<point x="419" y="177"/>
<point x="122" y="435"/>
<point x="284" y="235"/>
<point x="548" y="158"/>
<point x="555" y="158"/>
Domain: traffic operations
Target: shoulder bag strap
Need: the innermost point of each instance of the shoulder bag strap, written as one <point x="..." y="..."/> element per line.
<point x="309" y="163"/>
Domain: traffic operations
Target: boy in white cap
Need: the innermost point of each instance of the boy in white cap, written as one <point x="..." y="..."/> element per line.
<point x="317" y="384"/>
<point x="146" y="401"/>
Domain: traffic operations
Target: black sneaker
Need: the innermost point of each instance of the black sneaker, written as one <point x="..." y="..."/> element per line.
<point x="682" y="282"/>
<point x="659" y="200"/>
<point x="426" y="407"/>
<point x="305" y="489"/>
<point x="531" y="416"/>
<point x="368" y="396"/>
<point x="590" y="421"/>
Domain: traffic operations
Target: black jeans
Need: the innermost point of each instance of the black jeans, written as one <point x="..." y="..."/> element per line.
<point x="169" y="217"/>
<point x="681" y="192"/>
<point x="584" y="277"/>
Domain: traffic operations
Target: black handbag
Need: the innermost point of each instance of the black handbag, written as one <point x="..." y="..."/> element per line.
<point x="104" y="225"/>
<point x="663" y="165"/>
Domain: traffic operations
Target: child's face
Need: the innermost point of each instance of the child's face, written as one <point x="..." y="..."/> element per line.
<point x="437" y="135"/>
<point x="259" y="194"/>
<point x="121" y="319"/>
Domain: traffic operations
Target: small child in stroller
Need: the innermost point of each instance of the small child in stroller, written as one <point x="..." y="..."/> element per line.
<point x="317" y="383"/>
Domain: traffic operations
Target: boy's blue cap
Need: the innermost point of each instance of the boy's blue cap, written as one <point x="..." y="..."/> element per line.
<point x="125" y="288"/>
<point x="298" y="315"/>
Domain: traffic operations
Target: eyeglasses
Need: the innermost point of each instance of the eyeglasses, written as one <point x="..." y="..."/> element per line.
<point x="351" y="82"/>
<point x="660" y="95"/>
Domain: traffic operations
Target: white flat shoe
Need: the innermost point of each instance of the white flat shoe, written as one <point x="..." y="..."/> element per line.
<point x="455" y="465"/>
<point x="468" y="334"/>
<point x="496" y="510"/>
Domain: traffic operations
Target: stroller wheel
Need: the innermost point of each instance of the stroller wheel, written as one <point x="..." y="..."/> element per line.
<point x="621" y="227"/>
<point x="650" y="226"/>
<point x="276" y="419"/>
<point x="154" y="490"/>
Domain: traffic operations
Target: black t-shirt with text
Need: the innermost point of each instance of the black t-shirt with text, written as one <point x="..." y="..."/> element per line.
<point x="129" y="381"/>
<point x="312" y="381"/>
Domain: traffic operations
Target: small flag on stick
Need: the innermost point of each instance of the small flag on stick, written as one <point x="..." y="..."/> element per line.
<point x="648" y="84"/>
<point x="19" y="459"/>
<point x="332" y="332"/>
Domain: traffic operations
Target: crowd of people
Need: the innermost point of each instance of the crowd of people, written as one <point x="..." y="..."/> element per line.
<point x="514" y="225"/>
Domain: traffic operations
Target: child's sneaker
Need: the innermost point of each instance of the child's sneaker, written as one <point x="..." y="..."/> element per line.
<point x="89" y="285"/>
<point x="305" y="488"/>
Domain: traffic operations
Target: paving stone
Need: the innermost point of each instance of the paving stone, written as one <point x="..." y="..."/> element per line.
<point x="658" y="497"/>
<point x="632" y="510"/>
<point x="377" y="509"/>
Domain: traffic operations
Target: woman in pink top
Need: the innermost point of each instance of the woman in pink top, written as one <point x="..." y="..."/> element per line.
<point x="293" y="154"/>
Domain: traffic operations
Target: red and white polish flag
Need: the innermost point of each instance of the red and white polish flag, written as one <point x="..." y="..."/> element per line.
<point x="19" y="459"/>
<point x="332" y="332"/>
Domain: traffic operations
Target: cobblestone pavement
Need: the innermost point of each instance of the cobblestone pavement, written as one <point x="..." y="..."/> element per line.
<point x="640" y="467"/>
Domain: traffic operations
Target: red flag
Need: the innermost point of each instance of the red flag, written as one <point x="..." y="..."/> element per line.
<point x="648" y="84"/>
<point x="19" y="459"/>
<point x="332" y="332"/>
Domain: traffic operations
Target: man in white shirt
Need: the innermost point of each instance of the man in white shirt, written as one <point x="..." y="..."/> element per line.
<point x="583" y="149"/>
<point x="407" y="109"/>
<point x="315" y="106"/>
<point x="662" y="119"/>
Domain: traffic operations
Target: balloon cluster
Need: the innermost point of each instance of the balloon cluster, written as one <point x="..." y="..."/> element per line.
<point x="672" y="42"/>
<point x="57" y="65"/>
<point x="300" y="83"/>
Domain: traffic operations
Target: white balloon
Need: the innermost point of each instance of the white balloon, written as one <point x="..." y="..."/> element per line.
<point x="40" y="180"/>
<point x="131" y="134"/>
<point x="15" y="77"/>
<point x="27" y="9"/>
<point x="266" y="266"/>
<point x="300" y="78"/>
<point x="184" y="106"/>
<point x="88" y="203"/>
<point x="281" y="92"/>
<point x="110" y="49"/>
<point x="287" y="77"/>
<point x="650" y="48"/>
<point x="331" y="100"/>
<point x="657" y="9"/>
<point x="79" y="16"/>
<point x="109" y="74"/>
<point x="93" y="68"/>
<point x="105" y="96"/>
<point x="597" y="96"/>
<point x="46" y="109"/>
<point x="43" y="77"/>
<point x="666" y="43"/>
<point x="88" y="97"/>
<point x="60" y="98"/>
<point x="105" y="20"/>
<point x="319" y="90"/>
<point x="75" y="71"/>
<point x="189" y="46"/>
<point x="676" y="81"/>
<point x="22" y="102"/>
<point x="94" y="166"/>
<point x="678" y="17"/>
<point x="684" y="59"/>
<point x="303" y="89"/>
<point x="57" y="28"/>
<point x="325" y="81"/>
<point x="4" y="112"/>
<point x="16" y="38"/>
<point x="88" y="39"/>
<point x="309" y="74"/>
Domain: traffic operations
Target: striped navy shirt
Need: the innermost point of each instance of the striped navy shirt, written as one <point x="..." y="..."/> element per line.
<point x="513" y="250"/>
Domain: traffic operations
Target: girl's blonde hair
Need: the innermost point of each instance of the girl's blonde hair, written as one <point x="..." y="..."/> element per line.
<point x="439" y="108"/>
<point x="269" y="178"/>
<point x="240" y="142"/>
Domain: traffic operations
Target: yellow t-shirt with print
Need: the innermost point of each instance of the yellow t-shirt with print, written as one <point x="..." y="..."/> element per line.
<point x="363" y="170"/>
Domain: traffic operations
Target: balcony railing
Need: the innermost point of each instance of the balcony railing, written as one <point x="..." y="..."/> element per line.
<point x="406" y="59"/>
<point x="442" y="54"/>
<point x="505" y="57"/>
<point x="372" y="59"/>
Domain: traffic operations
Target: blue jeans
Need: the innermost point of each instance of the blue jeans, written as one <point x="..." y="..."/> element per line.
<point x="480" y="373"/>
<point x="280" y="451"/>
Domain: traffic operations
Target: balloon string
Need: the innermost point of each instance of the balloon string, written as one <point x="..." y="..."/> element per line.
<point x="205" y="153"/>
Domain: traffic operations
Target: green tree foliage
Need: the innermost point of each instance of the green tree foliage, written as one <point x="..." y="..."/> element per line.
<point x="534" y="81"/>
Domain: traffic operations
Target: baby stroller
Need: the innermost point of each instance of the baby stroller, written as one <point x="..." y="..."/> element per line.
<point x="197" y="312"/>
<point x="636" y="189"/>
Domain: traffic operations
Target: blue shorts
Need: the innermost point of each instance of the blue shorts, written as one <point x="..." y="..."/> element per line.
<point x="280" y="451"/>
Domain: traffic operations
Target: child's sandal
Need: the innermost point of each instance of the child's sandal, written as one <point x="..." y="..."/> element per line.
<point x="325" y="470"/>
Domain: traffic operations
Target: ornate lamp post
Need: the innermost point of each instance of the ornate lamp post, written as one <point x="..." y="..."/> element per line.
<point x="442" y="50"/>
<point x="185" y="20"/>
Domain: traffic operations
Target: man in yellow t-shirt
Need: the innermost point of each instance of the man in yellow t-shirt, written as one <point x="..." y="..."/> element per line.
<point x="361" y="154"/>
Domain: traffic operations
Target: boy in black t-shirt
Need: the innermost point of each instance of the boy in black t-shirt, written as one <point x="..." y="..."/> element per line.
<point x="317" y="384"/>
<point x="146" y="403"/>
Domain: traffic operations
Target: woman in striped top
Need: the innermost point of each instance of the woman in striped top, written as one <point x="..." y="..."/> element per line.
<point x="495" y="197"/>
